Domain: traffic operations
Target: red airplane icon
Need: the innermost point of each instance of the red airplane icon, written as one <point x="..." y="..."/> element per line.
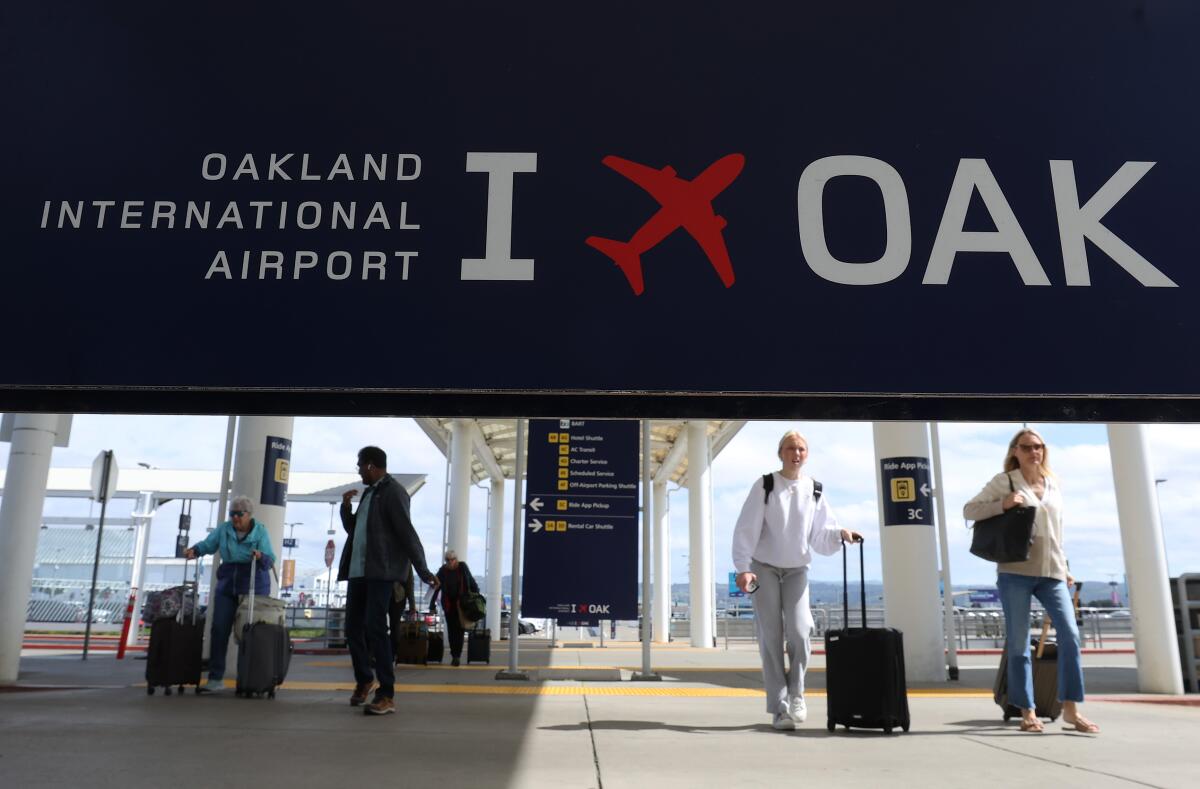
<point x="686" y="204"/>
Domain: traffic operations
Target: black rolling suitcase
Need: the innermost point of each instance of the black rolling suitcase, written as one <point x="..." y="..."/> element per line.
<point x="479" y="645"/>
<point x="864" y="669"/>
<point x="264" y="653"/>
<point x="173" y="658"/>
<point x="1044" y="657"/>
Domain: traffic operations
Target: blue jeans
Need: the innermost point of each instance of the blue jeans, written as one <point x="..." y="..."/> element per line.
<point x="1016" y="592"/>
<point x="367" y="604"/>
<point x="224" y="609"/>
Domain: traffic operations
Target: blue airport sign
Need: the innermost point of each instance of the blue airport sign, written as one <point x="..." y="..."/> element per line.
<point x="277" y="462"/>
<point x="734" y="591"/>
<point x="983" y="596"/>
<point x="890" y="177"/>
<point x="907" y="494"/>
<point x="581" y="520"/>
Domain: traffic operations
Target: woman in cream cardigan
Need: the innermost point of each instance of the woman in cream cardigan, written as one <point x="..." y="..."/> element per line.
<point x="1028" y="481"/>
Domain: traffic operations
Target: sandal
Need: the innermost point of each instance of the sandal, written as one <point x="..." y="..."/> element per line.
<point x="1032" y="725"/>
<point x="1081" y="725"/>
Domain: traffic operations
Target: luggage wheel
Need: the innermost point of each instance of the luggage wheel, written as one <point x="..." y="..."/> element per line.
<point x="830" y="725"/>
<point x="149" y="690"/>
<point x="181" y="690"/>
<point x="887" y="729"/>
<point x="197" y="690"/>
<point x="905" y="727"/>
<point x="270" y="694"/>
<point x="167" y="690"/>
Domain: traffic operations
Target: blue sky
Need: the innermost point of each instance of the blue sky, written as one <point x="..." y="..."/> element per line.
<point x="842" y="457"/>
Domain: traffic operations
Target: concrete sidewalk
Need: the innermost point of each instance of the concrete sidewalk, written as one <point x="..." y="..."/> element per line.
<point x="577" y="723"/>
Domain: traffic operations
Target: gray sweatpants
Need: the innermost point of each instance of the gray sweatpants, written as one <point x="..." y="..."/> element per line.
<point x="781" y="612"/>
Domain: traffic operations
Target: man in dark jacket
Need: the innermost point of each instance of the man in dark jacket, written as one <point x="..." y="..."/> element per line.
<point x="380" y="547"/>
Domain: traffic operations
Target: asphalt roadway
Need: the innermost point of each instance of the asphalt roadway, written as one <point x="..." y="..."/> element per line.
<point x="577" y="722"/>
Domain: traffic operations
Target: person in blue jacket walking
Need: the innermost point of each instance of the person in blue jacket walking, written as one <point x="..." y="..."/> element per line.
<point x="239" y="539"/>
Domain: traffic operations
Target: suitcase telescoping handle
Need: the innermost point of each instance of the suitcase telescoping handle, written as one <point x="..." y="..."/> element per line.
<point x="196" y="591"/>
<point x="1041" y="647"/>
<point x="253" y="575"/>
<point x="253" y="578"/>
<point x="194" y="588"/>
<point x="862" y="580"/>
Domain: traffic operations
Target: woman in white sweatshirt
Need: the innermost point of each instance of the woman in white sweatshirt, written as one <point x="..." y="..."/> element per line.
<point x="782" y="522"/>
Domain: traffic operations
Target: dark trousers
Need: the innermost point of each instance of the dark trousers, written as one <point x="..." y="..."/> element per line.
<point x="224" y="606"/>
<point x="454" y="630"/>
<point x="367" y="604"/>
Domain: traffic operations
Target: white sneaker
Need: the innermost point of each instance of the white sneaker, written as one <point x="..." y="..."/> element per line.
<point x="211" y="687"/>
<point x="783" y="722"/>
<point x="797" y="710"/>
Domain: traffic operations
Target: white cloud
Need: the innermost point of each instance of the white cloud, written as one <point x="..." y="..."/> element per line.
<point x="842" y="457"/>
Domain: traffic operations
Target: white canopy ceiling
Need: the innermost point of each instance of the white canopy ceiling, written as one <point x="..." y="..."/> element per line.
<point x="495" y="443"/>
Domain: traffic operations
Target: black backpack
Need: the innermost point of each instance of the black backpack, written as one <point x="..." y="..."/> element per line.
<point x="769" y="485"/>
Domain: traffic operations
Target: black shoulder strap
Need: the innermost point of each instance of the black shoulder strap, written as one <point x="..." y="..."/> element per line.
<point x="769" y="485"/>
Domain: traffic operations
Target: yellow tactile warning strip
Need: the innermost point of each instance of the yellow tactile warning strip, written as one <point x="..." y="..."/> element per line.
<point x="496" y="667"/>
<point x="591" y="689"/>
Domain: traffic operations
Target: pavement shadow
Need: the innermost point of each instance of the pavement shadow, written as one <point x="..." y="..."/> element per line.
<point x="632" y="725"/>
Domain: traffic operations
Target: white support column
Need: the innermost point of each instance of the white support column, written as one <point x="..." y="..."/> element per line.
<point x="495" y="592"/>
<point x="459" y="535"/>
<point x="910" y="564"/>
<point x="662" y="565"/>
<point x="250" y="453"/>
<point x="1158" y="667"/>
<point x="143" y="515"/>
<point x="700" y="549"/>
<point x="33" y="439"/>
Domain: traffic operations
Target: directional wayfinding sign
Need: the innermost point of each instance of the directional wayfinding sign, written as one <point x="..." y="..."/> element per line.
<point x="581" y="520"/>
<point x="907" y="497"/>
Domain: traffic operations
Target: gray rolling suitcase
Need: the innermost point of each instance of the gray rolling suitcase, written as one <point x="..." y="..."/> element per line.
<point x="264" y="653"/>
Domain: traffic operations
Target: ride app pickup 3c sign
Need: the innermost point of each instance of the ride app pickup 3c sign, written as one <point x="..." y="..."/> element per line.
<point x="907" y="495"/>
<point x="581" y="520"/>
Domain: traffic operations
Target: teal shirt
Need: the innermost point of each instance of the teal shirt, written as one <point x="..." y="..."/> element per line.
<point x="224" y="538"/>
<point x="358" y="552"/>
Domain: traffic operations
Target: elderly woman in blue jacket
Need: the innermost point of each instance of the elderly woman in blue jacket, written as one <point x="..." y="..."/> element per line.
<point x="239" y="539"/>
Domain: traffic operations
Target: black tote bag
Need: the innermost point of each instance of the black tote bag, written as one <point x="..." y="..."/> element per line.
<point x="1005" y="537"/>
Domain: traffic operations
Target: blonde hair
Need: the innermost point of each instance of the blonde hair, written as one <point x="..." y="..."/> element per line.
<point x="1010" y="459"/>
<point x="790" y="434"/>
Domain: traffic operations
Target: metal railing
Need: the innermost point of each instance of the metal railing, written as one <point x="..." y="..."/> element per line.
<point x="331" y="622"/>
<point x="973" y="628"/>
